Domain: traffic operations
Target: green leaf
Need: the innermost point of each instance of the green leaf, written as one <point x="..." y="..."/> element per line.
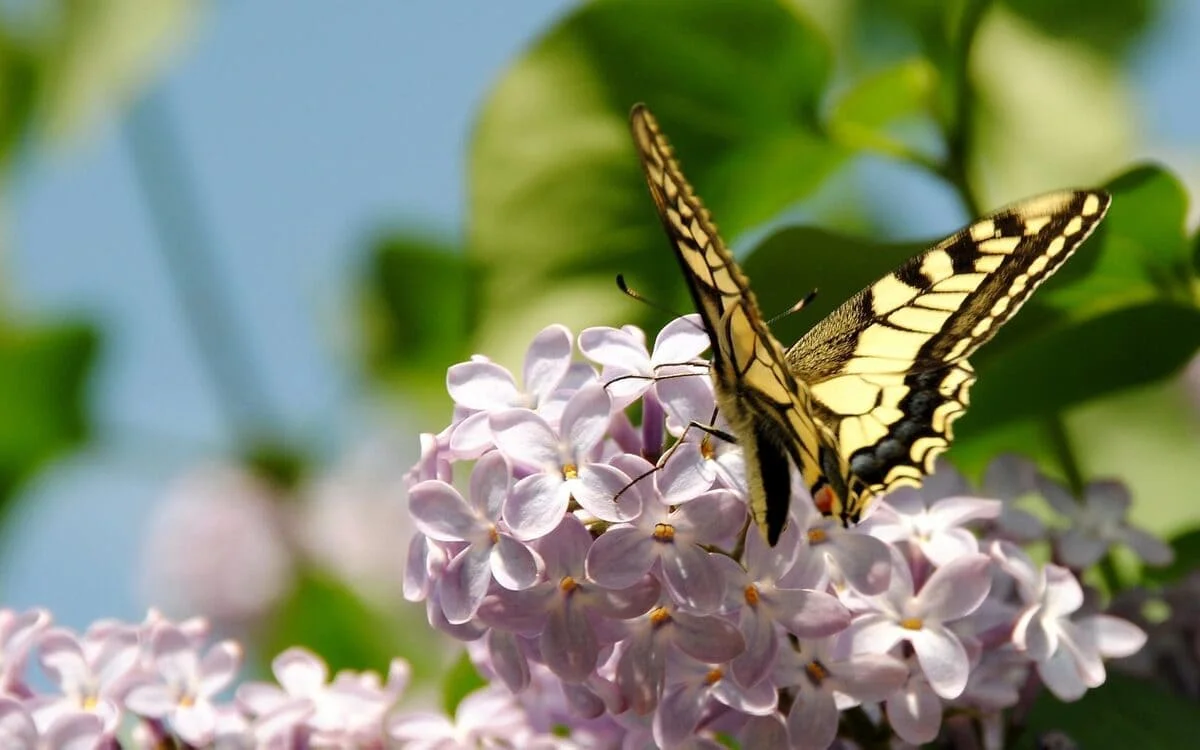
<point x="18" y="92"/>
<point x="1140" y="251"/>
<point x="1123" y="712"/>
<point x="1067" y="366"/>
<point x="1110" y="28"/>
<point x="903" y="92"/>
<point x="97" y="55"/>
<point x="793" y="260"/>
<point x="328" y="618"/>
<point x="418" y="303"/>
<point x="461" y="680"/>
<point x="43" y="374"/>
<point x="557" y="205"/>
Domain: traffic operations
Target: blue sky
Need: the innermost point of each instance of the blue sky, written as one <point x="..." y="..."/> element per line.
<point x="306" y="130"/>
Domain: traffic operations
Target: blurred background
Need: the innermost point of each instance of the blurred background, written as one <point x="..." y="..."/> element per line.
<point x="215" y="355"/>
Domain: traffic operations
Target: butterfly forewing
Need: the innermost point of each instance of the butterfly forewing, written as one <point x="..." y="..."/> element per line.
<point x="888" y="370"/>
<point x="767" y="409"/>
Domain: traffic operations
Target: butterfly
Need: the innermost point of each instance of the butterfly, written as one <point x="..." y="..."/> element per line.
<point x="865" y="401"/>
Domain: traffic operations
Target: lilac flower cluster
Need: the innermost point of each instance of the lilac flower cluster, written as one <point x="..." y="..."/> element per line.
<point x="159" y="684"/>
<point x="607" y="580"/>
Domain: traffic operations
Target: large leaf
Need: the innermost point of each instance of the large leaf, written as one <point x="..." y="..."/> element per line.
<point x="97" y="55"/>
<point x="43" y="373"/>
<point x="419" y="301"/>
<point x="557" y="204"/>
<point x="865" y="116"/>
<point x="1109" y="27"/>
<point x="1123" y="712"/>
<point x="330" y="619"/>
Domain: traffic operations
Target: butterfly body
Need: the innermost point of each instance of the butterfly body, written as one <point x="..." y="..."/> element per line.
<point x="864" y="402"/>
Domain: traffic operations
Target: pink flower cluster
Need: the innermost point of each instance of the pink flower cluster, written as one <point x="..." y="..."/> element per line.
<point x="604" y="572"/>
<point x="159" y="684"/>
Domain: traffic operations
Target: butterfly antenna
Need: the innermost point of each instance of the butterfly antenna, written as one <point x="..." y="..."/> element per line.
<point x="632" y="293"/>
<point x="808" y="298"/>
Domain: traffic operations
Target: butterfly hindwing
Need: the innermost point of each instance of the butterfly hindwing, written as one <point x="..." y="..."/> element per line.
<point x="888" y="370"/>
<point x="865" y="401"/>
<point x="767" y="409"/>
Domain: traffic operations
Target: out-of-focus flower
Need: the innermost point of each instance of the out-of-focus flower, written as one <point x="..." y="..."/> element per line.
<point x="92" y="673"/>
<point x="1099" y="522"/>
<point x="353" y="518"/>
<point x="488" y="717"/>
<point x="182" y="688"/>
<point x="347" y="712"/>
<point x="217" y="545"/>
<point x="64" y="731"/>
<point x="1069" y="652"/>
<point x="18" y="633"/>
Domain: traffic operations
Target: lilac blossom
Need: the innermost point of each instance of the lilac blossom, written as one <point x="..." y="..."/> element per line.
<point x="611" y="590"/>
<point x="564" y="463"/>
<point x="663" y="620"/>
<point x="668" y="541"/>
<point x="184" y="683"/>
<point x="490" y="553"/>
<point x="91" y="673"/>
<point x="828" y="552"/>
<point x="768" y="608"/>
<point x="1099" y="522"/>
<point x="952" y="592"/>
<point x="935" y="527"/>
<point x="568" y="612"/>
<point x="641" y="668"/>
<point x="481" y="387"/>
<point x="826" y="679"/>
<point x="18" y="633"/>
<point x="66" y="731"/>
<point x="347" y="711"/>
<point x="1068" y="652"/>
<point x="694" y="686"/>
<point x="629" y="370"/>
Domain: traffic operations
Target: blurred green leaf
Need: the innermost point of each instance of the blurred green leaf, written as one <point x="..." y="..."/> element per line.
<point x="43" y="375"/>
<point x="18" y="93"/>
<point x="1111" y="28"/>
<point x="461" y="680"/>
<point x="1187" y="560"/>
<point x="1140" y="250"/>
<point x="1123" y="712"/>
<point x="325" y="616"/>
<point x="793" y="260"/>
<point x="1138" y="256"/>
<point x="861" y="117"/>
<point x="557" y="204"/>
<point x="419" y="304"/>
<point x="1067" y="366"/>
<point x="98" y="54"/>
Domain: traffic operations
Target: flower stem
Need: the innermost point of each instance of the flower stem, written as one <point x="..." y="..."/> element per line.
<point x="1060" y="441"/>
<point x="167" y="185"/>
